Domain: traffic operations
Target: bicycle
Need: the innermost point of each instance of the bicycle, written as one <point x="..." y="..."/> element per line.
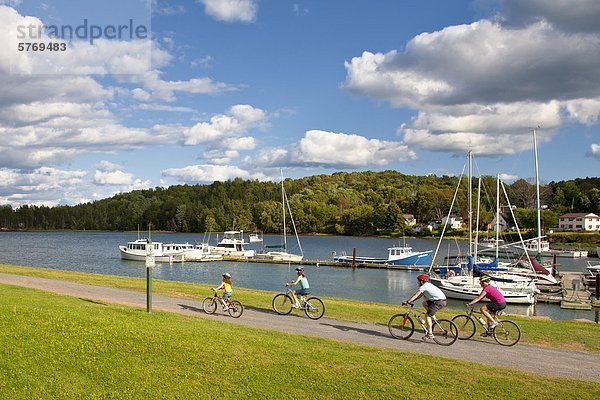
<point x="283" y="304"/>
<point x="506" y="333"/>
<point x="401" y="326"/>
<point x="234" y="307"/>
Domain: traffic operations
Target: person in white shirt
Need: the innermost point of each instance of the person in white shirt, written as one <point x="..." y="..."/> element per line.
<point x="435" y="300"/>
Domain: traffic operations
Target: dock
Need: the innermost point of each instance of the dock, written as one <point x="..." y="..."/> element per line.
<point x="330" y="263"/>
<point x="575" y="295"/>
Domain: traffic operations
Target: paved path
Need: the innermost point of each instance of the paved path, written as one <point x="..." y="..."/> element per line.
<point x="550" y="362"/>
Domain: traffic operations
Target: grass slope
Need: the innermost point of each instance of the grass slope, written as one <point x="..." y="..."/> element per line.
<point x="58" y="347"/>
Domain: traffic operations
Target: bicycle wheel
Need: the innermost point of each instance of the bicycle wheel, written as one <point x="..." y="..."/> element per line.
<point x="445" y="332"/>
<point x="236" y="309"/>
<point x="466" y="326"/>
<point x="209" y="305"/>
<point x="507" y="333"/>
<point x="282" y="304"/>
<point x="314" y="308"/>
<point x="401" y="326"/>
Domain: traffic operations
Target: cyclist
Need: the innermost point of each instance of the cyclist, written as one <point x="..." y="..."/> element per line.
<point x="497" y="302"/>
<point x="227" y="290"/>
<point x="304" y="286"/>
<point x="435" y="300"/>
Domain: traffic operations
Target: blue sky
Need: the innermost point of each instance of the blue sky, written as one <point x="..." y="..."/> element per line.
<point x="241" y="88"/>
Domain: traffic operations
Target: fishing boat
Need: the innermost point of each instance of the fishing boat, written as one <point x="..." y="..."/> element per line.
<point x="397" y="255"/>
<point x="283" y="255"/>
<point x="232" y="245"/>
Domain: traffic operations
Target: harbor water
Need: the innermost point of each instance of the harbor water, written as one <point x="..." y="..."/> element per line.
<point x="97" y="252"/>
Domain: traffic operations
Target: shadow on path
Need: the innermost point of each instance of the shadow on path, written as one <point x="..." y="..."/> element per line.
<point x="346" y="328"/>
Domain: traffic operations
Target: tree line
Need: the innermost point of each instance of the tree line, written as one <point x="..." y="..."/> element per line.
<point x="356" y="203"/>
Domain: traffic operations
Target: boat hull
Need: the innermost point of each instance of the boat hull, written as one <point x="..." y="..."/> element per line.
<point x="423" y="258"/>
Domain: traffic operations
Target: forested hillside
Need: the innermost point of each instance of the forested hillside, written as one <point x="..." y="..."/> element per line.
<point x="342" y="203"/>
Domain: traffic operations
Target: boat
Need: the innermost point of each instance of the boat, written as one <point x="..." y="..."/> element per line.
<point x="397" y="255"/>
<point x="255" y="238"/>
<point x="232" y="245"/>
<point x="283" y="255"/>
<point x="462" y="281"/>
<point x="136" y="251"/>
<point x="201" y="252"/>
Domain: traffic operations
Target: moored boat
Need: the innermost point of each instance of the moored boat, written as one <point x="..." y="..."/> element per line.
<point x="232" y="245"/>
<point x="397" y="255"/>
<point x="136" y="251"/>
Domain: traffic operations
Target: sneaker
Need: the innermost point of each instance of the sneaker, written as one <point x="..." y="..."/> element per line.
<point x="295" y="306"/>
<point x="428" y="336"/>
<point x="492" y="326"/>
<point x="225" y="308"/>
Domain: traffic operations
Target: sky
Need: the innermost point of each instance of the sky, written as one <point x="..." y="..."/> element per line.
<point x="219" y="89"/>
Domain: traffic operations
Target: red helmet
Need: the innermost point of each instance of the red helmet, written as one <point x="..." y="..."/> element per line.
<point x="422" y="278"/>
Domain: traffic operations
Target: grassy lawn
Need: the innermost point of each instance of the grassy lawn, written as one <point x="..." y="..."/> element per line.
<point x="571" y="335"/>
<point x="59" y="347"/>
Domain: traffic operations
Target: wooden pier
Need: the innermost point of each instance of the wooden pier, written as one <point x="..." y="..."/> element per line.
<point x="575" y="295"/>
<point x="329" y="263"/>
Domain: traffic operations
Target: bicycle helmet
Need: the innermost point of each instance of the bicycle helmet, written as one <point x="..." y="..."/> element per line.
<point x="300" y="269"/>
<point x="422" y="278"/>
<point x="484" y="279"/>
<point x="227" y="275"/>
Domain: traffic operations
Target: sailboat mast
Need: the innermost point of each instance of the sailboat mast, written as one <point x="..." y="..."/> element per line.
<point x="537" y="196"/>
<point x="283" y="212"/>
<point x="470" y="158"/>
<point x="497" y="214"/>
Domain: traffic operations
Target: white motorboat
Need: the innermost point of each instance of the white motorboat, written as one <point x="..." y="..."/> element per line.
<point x="255" y="238"/>
<point x="201" y="252"/>
<point x="136" y="251"/>
<point x="232" y="245"/>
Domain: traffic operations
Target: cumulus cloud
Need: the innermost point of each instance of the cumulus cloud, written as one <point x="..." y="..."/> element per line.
<point x="331" y="149"/>
<point x="238" y="120"/>
<point x="534" y="64"/>
<point x="204" y="173"/>
<point x="41" y="186"/>
<point x="508" y="177"/>
<point x="231" y="10"/>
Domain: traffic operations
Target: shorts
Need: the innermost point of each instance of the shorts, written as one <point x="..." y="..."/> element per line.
<point x="434" y="306"/>
<point x="302" y="292"/>
<point x="495" y="307"/>
<point x="227" y="295"/>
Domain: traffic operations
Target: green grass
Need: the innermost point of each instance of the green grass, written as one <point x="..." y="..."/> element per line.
<point x="572" y="335"/>
<point x="58" y="347"/>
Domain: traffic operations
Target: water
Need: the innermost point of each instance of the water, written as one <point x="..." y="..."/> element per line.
<point x="97" y="252"/>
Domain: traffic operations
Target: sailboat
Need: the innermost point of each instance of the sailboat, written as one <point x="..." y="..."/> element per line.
<point x="463" y="282"/>
<point x="283" y="255"/>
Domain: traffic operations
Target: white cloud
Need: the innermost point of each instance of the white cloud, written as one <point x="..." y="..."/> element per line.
<point x="202" y="62"/>
<point x="595" y="151"/>
<point x="238" y="120"/>
<point x="482" y="86"/>
<point x="340" y="149"/>
<point x="231" y="10"/>
<point x="508" y="177"/>
<point x="205" y="173"/>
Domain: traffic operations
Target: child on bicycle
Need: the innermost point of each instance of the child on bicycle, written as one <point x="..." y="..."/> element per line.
<point x="304" y="286"/>
<point x="227" y="290"/>
<point x="497" y="302"/>
<point x="435" y="300"/>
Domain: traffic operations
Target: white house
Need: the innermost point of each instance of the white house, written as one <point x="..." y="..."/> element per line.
<point x="579" y="222"/>
<point x="454" y="222"/>
<point x="410" y="219"/>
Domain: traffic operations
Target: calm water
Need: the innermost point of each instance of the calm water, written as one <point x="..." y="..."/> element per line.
<point x="97" y="252"/>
